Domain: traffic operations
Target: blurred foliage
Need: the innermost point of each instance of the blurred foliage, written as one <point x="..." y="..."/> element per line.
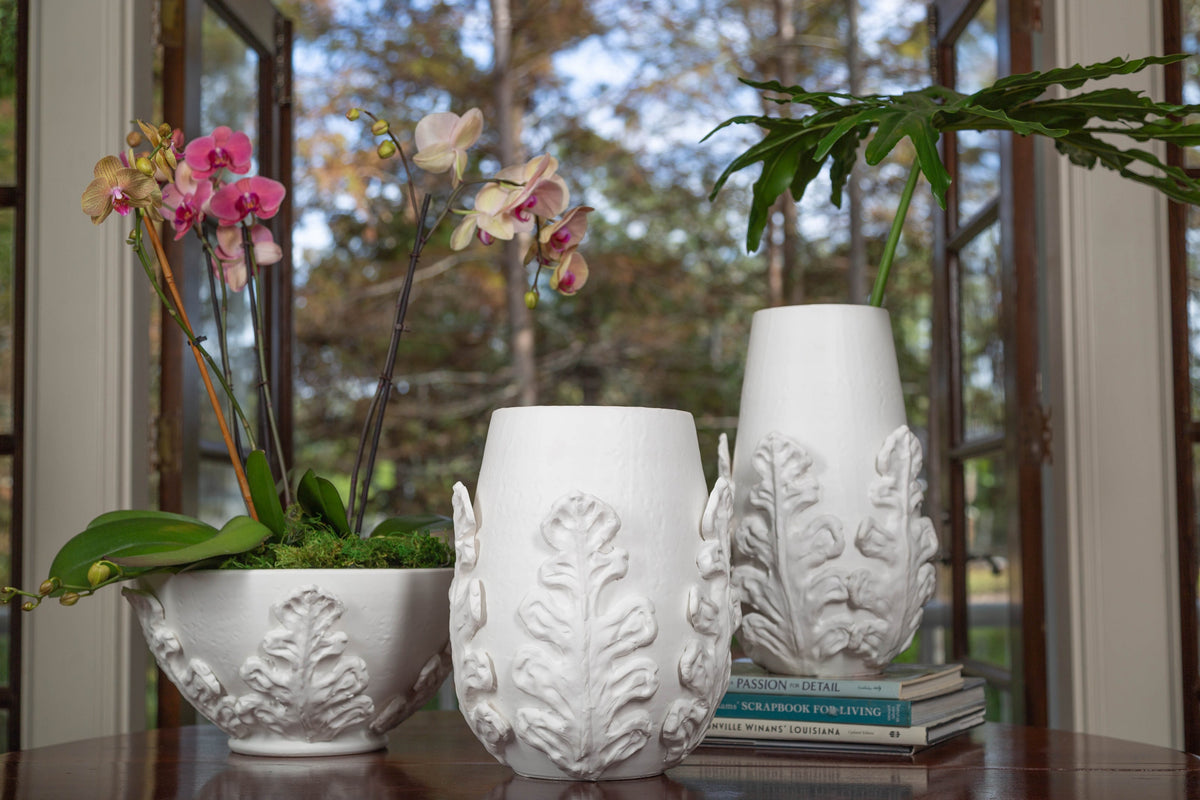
<point x="620" y="91"/>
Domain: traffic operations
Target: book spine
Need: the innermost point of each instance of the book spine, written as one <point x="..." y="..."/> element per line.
<point x="814" y="687"/>
<point x="854" y="710"/>
<point x="743" y="728"/>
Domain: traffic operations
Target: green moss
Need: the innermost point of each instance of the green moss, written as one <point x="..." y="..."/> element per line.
<point x="308" y="544"/>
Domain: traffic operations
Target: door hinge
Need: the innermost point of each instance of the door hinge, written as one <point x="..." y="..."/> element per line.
<point x="1039" y="434"/>
<point x="283" y="62"/>
<point x="1035" y="15"/>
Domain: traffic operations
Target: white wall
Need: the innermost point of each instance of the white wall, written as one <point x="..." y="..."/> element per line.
<point x="87" y="360"/>
<point x="1113" y="531"/>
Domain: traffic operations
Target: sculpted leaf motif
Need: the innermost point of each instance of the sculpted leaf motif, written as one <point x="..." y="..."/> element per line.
<point x="305" y="686"/>
<point x="474" y="672"/>
<point x="429" y="680"/>
<point x="781" y="553"/>
<point x="899" y="542"/>
<point x="584" y="670"/>
<point x="194" y="679"/>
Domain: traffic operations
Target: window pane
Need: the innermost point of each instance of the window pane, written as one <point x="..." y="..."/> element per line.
<point x="992" y="590"/>
<point x="8" y="92"/>
<point x="977" y="52"/>
<point x="7" y="265"/>
<point x="6" y="576"/>
<point x="228" y="96"/>
<point x="1193" y="304"/>
<point x="978" y="170"/>
<point x="220" y="498"/>
<point x="981" y="338"/>
<point x="1190" y="19"/>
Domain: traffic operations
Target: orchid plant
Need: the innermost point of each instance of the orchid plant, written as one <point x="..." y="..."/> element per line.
<point x="202" y="189"/>
<point x="793" y="150"/>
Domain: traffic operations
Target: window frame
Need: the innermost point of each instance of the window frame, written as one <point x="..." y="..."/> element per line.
<point x="1024" y="444"/>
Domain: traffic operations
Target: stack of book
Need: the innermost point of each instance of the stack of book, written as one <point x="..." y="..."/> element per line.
<point x="908" y="708"/>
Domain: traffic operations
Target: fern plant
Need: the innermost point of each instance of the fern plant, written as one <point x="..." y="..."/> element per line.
<point x="794" y="150"/>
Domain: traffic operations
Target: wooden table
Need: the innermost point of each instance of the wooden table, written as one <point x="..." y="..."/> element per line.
<point x="434" y="755"/>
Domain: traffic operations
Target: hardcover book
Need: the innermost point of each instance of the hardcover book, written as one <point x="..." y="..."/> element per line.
<point x="898" y="682"/>
<point x="862" y="710"/>
<point x="768" y="733"/>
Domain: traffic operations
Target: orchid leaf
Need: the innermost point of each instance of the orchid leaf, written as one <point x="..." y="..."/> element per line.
<point x="263" y="492"/>
<point x="413" y="523"/>
<point x="237" y="536"/>
<point x="123" y="533"/>
<point x="319" y="498"/>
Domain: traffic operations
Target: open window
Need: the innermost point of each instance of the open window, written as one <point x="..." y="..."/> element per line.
<point x="988" y="429"/>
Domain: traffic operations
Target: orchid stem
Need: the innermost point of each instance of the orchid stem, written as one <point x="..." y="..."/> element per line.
<point x="889" y="249"/>
<point x="169" y="279"/>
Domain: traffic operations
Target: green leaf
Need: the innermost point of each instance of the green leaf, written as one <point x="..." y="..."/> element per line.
<point x="318" y="497"/>
<point x="123" y="533"/>
<point x="780" y="168"/>
<point x="264" y="494"/>
<point x="413" y="523"/>
<point x="237" y="536"/>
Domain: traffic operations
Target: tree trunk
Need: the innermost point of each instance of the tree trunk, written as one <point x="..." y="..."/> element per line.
<point x="521" y="340"/>
<point x="856" y="273"/>
<point x="787" y="286"/>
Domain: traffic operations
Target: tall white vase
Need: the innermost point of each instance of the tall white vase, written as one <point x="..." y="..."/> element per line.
<point x="591" y="609"/>
<point x="830" y="551"/>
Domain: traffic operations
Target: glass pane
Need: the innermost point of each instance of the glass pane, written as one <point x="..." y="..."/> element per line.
<point x="980" y="338"/>
<point x="6" y="576"/>
<point x="220" y="498"/>
<point x="1190" y="19"/>
<point x="978" y="170"/>
<point x="228" y="96"/>
<point x="1192" y="242"/>
<point x="7" y="221"/>
<point x="8" y="92"/>
<point x="977" y="51"/>
<point x="992" y="586"/>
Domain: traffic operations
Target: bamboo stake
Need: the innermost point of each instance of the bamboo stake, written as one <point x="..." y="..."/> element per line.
<point x="169" y="279"/>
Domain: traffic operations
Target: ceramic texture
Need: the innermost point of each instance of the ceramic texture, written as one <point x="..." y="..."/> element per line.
<point x="591" y="608"/>
<point x="831" y="554"/>
<point x="300" y="662"/>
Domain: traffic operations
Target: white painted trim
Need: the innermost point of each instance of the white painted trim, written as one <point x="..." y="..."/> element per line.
<point x="1110" y="332"/>
<point x="87" y="383"/>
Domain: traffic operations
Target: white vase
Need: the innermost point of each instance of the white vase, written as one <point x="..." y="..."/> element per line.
<point x="591" y="611"/>
<point x="830" y="551"/>
<point x="300" y="662"/>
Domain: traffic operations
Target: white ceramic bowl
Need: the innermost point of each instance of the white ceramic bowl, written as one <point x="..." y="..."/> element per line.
<point x="300" y="662"/>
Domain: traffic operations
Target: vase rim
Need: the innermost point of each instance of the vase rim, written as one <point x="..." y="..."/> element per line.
<point x="588" y="410"/>
<point x="823" y="308"/>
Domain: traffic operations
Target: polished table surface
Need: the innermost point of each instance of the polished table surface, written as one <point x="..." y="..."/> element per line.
<point x="434" y="755"/>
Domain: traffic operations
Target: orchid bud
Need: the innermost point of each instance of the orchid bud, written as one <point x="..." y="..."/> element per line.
<point x="69" y="599"/>
<point x="352" y="114"/>
<point x="531" y="299"/>
<point x="98" y="573"/>
<point x="48" y="586"/>
<point x="379" y="127"/>
<point x="165" y="131"/>
<point x="387" y="148"/>
<point x="133" y="138"/>
<point x="144" y="166"/>
<point x="28" y="605"/>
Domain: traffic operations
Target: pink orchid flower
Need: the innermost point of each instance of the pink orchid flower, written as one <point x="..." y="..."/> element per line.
<point x="188" y="198"/>
<point x="564" y="235"/>
<point x="258" y="196"/>
<point x="570" y="275"/>
<point x="443" y="139"/>
<point x="230" y="262"/>
<point x="222" y="149"/>
<point x="540" y="192"/>
<point x="488" y="221"/>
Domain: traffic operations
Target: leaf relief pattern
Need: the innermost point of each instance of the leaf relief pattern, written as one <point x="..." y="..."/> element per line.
<point x="474" y="672"/>
<point x="899" y="543"/>
<point x="194" y="679"/>
<point x="712" y="612"/>
<point x="305" y="687"/>
<point x="401" y="707"/>
<point x="785" y="570"/>
<point x="584" y="669"/>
